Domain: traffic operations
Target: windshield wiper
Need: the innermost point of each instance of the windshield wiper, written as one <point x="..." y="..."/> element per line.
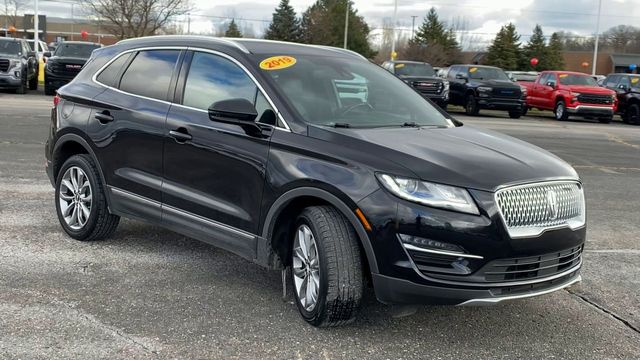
<point x="342" y="125"/>
<point x="410" y="124"/>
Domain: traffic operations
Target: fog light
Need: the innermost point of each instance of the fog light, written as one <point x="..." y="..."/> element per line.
<point x="16" y="74"/>
<point x="430" y="244"/>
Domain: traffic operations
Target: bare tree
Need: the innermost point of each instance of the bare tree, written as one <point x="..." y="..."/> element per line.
<point x="135" y="18"/>
<point x="10" y="11"/>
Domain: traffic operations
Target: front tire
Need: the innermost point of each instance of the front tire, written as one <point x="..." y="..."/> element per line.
<point x="471" y="106"/>
<point x="515" y="114"/>
<point x="326" y="267"/>
<point x="33" y="83"/>
<point x="81" y="204"/>
<point x="560" y="111"/>
<point x="632" y="115"/>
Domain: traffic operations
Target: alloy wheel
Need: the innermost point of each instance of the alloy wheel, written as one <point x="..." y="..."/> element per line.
<point x="559" y="111"/>
<point x="306" y="268"/>
<point x="75" y="198"/>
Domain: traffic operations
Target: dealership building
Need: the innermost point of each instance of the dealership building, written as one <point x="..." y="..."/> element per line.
<point x="56" y="29"/>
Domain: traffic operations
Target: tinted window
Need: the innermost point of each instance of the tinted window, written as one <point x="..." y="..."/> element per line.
<point x="625" y="81"/>
<point x="10" y="47"/>
<point x="109" y="74"/>
<point x="611" y="81"/>
<point x="572" y="79"/>
<point x="452" y="72"/>
<point x="487" y="73"/>
<point x="82" y="51"/>
<point x="213" y="78"/>
<point x="150" y="73"/>
<point x="411" y="69"/>
<point x="543" y="79"/>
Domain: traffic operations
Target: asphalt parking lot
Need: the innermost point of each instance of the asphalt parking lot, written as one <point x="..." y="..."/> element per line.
<point x="150" y="293"/>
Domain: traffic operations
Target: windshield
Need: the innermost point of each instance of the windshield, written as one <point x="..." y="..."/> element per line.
<point x="10" y="47"/>
<point x="572" y="79"/>
<point x="524" y="77"/>
<point x="487" y="73"/>
<point x="409" y="69"/>
<point x="341" y="92"/>
<point x="75" y="50"/>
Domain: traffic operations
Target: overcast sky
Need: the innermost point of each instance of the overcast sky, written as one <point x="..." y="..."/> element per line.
<point x="482" y="17"/>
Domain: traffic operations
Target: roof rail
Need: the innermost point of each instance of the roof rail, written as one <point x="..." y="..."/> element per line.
<point x="219" y="40"/>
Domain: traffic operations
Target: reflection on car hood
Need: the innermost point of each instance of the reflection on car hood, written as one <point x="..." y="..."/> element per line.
<point x="495" y="83"/>
<point x="588" y="89"/>
<point x="463" y="156"/>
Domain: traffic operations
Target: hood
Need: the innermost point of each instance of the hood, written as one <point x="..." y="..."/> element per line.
<point x="68" y="60"/>
<point x="431" y="79"/>
<point x="495" y="83"/>
<point x="464" y="156"/>
<point x="588" y="89"/>
<point x="9" y="56"/>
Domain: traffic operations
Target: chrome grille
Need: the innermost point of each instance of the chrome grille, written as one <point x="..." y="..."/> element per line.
<point x="4" y="65"/>
<point x="529" y="210"/>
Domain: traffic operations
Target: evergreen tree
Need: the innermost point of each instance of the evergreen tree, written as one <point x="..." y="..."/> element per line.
<point x="323" y="24"/>
<point x="434" y="36"/>
<point x="504" y="51"/>
<point x="233" y="31"/>
<point x="554" y="52"/>
<point x="285" y="26"/>
<point x="535" y="48"/>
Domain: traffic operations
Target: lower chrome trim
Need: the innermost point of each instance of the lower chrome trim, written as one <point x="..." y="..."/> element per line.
<point x="493" y="301"/>
<point x="207" y="221"/>
<point x="603" y="109"/>
<point x="441" y="252"/>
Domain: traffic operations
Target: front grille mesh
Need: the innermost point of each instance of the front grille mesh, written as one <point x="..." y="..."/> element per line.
<point x="428" y="88"/>
<point x="595" y="99"/>
<point x="4" y="65"/>
<point x="540" y="206"/>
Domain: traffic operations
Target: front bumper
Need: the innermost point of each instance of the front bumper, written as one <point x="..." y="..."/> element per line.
<point x="55" y="81"/>
<point x="8" y="81"/>
<point x="590" y="110"/>
<point x="485" y="275"/>
<point x="500" y="104"/>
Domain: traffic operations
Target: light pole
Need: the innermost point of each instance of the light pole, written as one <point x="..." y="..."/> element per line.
<point x="413" y="26"/>
<point x="393" y="29"/>
<point x="346" y="25"/>
<point x="595" y="48"/>
<point x="36" y="27"/>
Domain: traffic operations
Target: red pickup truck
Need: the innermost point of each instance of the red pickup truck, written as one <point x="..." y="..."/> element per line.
<point x="570" y="93"/>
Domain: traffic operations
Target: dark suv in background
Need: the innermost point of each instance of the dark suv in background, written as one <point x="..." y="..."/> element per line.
<point x="627" y="88"/>
<point x="311" y="159"/>
<point x="422" y="77"/>
<point x="18" y="66"/>
<point x="479" y="87"/>
<point x="65" y="63"/>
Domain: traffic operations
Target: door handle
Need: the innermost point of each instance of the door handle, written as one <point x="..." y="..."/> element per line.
<point x="104" y="117"/>
<point x="181" y="135"/>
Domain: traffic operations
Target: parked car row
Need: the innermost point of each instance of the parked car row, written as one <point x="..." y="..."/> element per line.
<point x="20" y="63"/>
<point x="565" y="93"/>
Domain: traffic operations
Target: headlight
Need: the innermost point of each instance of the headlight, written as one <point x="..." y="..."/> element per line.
<point x="484" y="89"/>
<point x="446" y="84"/>
<point x="430" y="194"/>
<point x="613" y="97"/>
<point x="524" y="91"/>
<point x="14" y="63"/>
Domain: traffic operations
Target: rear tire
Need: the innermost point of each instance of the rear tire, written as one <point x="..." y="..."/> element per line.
<point x="331" y="263"/>
<point x="560" y="111"/>
<point x="33" y="83"/>
<point x="81" y="204"/>
<point x="471" y="106"/>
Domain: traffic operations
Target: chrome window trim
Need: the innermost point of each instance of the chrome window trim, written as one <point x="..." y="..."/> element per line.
<point x="441" y="252"/>
<point x="219" y="40"/>
<point x="535" y="231"/>
<point x="188" y="48"/>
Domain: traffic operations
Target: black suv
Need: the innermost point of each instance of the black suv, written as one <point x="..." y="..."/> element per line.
<point x="422" y="77"/>
<point x="484" y="87"/>
<point x="18" y="66"/>
<point x="251" y="145"/>
<point x="627" y="86"/>
<point x="65" y="63"/>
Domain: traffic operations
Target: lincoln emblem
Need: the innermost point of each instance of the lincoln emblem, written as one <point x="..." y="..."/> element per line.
<point x="552" y="204"/>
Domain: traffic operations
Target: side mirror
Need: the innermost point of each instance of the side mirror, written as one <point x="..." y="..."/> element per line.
<point x="235" y="111"/>
<point x="551" y="84"/>
<point x="47" y="54"/>
<point x="623" y="87"/>
<point x="31" y="54"/>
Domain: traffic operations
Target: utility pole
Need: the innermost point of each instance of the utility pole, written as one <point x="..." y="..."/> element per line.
<point x="189" y="24"/>
<point x="595" y="48"/>
<point x="393" y="29"/>
<point x="72" y="21"/>
<point x="413" y="26"/>
<point x="36" y="27"/>
<point x="346" y="25"/>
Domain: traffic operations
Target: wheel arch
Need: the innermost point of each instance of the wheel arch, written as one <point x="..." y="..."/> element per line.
<point x="72" y="144"/>
<point x="292" y="200"/>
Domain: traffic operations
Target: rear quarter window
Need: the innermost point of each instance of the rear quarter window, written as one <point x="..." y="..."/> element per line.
<point x="149" y="74"/>
<point x="109" y="75"/>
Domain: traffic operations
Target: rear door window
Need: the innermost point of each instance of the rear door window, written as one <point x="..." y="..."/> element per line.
<point x="109" y="75"/>
<point x="150" y="73"/>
